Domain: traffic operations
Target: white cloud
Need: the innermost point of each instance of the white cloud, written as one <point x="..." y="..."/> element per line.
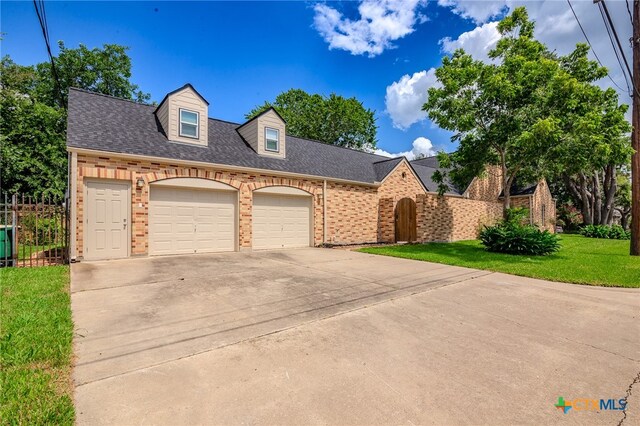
<point x="405" y="97"/>
<point x="477" y="42"/>
<point x="477" y="11"/>
<point x="555" y="26"/>
<point x="421" y="147"/>
<point x="381" y="23"/>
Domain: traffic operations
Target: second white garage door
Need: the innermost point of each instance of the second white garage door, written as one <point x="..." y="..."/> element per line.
<point x="183" y="220"/>
<point x="281" y="221"/>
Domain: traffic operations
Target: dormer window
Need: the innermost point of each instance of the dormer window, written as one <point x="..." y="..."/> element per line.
<point x="189" y="123"/>
<point x="271" y="139"/>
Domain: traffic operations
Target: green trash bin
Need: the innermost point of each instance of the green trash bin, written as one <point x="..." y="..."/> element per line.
<point x="6" y="245"/>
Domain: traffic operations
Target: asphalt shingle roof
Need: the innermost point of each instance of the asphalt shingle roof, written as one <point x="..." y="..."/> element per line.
<point x="104" y="123"/>
<point x="384" y="167"/>
<point x="525" y="189"/>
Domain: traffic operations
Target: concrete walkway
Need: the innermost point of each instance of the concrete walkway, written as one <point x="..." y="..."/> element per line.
<point x="330" y="336"/>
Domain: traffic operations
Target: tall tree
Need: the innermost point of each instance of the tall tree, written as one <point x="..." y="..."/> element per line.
<point x="529" y="111"/>
<point x="333" y="120"/>
<point x="33" y="158"/>
<point x="594" y="143"/>
<point x="498" y="109"/>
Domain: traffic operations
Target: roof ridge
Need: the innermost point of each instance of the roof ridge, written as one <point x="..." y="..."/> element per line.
<point x="339" y="146"/>
<point x="222" y="121"/>
<point x="91" y="92"/>
<point x="389" y="159"/>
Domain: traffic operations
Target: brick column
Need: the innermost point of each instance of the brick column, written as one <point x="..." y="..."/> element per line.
<point x="245" y="214"/>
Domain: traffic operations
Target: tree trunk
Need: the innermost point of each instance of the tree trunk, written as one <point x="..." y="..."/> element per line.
<point x="587" y="202"/>
<point x="624" y="218"/>
<point x="597" y="198"/>
<point x="609" y="188"/>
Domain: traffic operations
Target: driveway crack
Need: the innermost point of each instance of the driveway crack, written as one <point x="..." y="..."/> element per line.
<point x="626" y="398"/>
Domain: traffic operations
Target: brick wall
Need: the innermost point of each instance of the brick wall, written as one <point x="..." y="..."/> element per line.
<point x="131" y="170"/>
<point x="355" y="213"/>
<point x="535" y="202"/>
<point x="487" y="187"/>
<point x="454" y="218"/>
<point x="401" y="183"/>
<point x="351" y="213"/>
<point x="542" y="197"/>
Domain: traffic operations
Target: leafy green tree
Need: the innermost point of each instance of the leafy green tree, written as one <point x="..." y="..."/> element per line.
<point x="623" y="197"/>
<point x="594" y="141"/>
<point x="333" y="120"/>
<point x="498" y="109"/>
<point x="105" y="70"/>
<point x="530" y="112"/>
<point x="32" y="146"/>
<point x="33" y="113"/>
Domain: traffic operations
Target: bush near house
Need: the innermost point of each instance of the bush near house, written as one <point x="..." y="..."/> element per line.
<point x="514" y="237"/>
<point x="569" y="217"/>
<point x="613" y="232"/>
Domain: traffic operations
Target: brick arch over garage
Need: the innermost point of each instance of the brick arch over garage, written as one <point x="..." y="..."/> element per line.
<point x="191" y="173"/>
<point x="246" y="204"/>
<point x="292" y="183"/>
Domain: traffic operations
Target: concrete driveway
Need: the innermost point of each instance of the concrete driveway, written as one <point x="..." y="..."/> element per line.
<point x="337" y="337"/>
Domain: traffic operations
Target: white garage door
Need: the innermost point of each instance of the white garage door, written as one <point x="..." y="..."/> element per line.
<point x="183" y="220"/>
<point x="281" y="221"/>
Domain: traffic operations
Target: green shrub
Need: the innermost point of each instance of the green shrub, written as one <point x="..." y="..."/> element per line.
<point x="614" y="232"/>
<point x="512" y="236"/>
<point x="569" y="217"/>
<point x="40" y="230"/>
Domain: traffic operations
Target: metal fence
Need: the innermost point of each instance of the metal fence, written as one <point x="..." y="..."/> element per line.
<point x="33" y="232"/>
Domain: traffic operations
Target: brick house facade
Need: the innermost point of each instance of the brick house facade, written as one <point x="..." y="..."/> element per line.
<point x="349" y="197"/>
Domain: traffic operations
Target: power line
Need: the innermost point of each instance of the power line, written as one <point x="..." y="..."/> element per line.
<point x="612" y="29"/>
<point x="629" y="11"/>
<point x="42" y="19"/>
<point x="594" y="51"/>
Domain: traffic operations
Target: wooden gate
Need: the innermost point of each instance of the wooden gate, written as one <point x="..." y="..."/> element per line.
<point x="405" y="220"/>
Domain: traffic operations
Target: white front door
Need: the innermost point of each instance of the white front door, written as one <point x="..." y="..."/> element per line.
<point x="281" y="221"/>
<point x="185" y="220"/>
<point x="107" y="220"/>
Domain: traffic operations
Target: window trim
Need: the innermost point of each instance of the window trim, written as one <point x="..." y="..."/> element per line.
<point x="266" y="147"/>
<point x="182" y="135"/>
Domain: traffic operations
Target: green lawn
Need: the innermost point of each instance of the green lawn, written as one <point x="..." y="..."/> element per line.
<point x="581" y="260"/>
<point x="35" y="346"/>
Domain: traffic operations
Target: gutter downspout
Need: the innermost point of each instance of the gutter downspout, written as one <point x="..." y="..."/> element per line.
<point x="324" y="211"/>
<point x="73" y="196"/>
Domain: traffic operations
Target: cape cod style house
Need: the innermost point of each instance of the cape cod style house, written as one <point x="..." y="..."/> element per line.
<point x="147" y="180"/>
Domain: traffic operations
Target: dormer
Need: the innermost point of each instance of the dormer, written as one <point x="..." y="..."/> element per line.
<point x="265" y="133"/>
<point x="183" y="115"/>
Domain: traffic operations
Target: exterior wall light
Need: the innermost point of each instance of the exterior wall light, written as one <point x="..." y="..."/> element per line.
<point x="140" y="183"/>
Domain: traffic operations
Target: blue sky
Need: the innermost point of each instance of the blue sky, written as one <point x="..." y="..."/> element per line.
<point x="239" y="54"/>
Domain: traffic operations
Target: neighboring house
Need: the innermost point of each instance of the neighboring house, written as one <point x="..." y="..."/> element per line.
<point x="537" y="198"/>
<point x="148" y="180"/>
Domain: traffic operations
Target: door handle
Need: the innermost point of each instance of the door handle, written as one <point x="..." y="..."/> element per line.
<point x="124" y="226"/>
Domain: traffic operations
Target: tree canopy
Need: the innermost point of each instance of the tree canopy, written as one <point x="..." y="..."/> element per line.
<point x="528" y="111"/>
<point x="333" y="120"/>
<point x="33" y="116"/>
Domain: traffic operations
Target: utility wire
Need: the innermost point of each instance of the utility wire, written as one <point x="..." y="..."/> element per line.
<point x="629" y="12"/>
<point x="612" y="29"/>
<point x="594" y="51"/>
<point x="42" y="19"/>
